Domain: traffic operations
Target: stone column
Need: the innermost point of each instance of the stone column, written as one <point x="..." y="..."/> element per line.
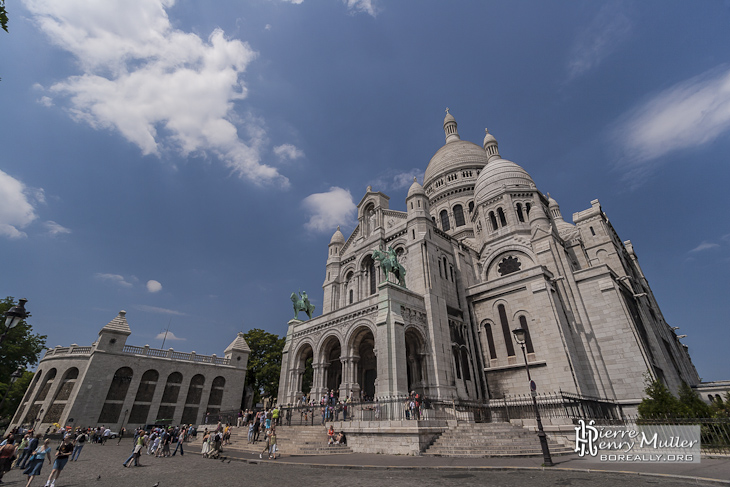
<point x="390" y="342"/>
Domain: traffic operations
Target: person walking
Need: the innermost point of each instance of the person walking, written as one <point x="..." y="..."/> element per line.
<point x="121" y="435"/>
<point x="62" y="456"/>
<point x="272" y="444"/>
<point x="79" y="443"/>
<point x="266" y="445"/>
<point x="32" y="445"/>
<point x="180" y="441"/>
<point x="36" y="461"/>
<point x="6" y="455"/>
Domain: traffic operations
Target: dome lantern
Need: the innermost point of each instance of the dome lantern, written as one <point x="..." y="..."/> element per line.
<point x="450" y="128"/>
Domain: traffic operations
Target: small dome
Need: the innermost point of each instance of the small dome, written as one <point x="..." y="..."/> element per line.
<point x="452" y="156"/>
<point x="337" y="238"/>
<point x="449" y="117"/>
<point x="416" y="189"/>
<point x="552" y="203"/>
<point x="499" y="174"/>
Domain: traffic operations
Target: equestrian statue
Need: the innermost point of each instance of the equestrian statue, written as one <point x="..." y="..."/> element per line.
<point x="301" y="303"/>
<point x="389" y="263"/>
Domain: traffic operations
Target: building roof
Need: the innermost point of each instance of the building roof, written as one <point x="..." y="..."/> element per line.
<point x="118" y="324"/>
<point x="337" y="237"/>
<point x="238" y="344"/>
<point x="415" y="189"/>
<point x="454" y="155"/>
<point x="499" y="174"/>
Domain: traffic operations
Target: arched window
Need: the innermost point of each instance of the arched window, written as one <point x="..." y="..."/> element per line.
<point x="216" y="395"/>
<point x="465" y="365"/>
<point x="528" y="338"/>
<point x="493" y="220"/>
<point x="169" y="396"/>
<point x="527" y="208"/>
<point x="506" y="331"/>
<point x="112" y="408"/>
<point x="55" y="411"/>
<point x="520" y="216"/>
<point x="373" y="279"/>
<point x="455" y="352"/>
<point x="143" y="399"/>
<point x="195" y="392"/>
<point x="471" y="207"/>
<point x="445" y="220"/>
<point x="502" y="218"/>
<point x="351" y="295"/>
<point x="490" y="341"/>
<point x="459" y="216"/>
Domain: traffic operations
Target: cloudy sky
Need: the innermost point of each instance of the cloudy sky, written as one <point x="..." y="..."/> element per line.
<point x="188" y="161"/>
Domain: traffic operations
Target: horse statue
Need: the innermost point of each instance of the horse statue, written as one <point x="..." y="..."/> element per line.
<point x="389" y="262"/>
<point x="301" y="303"/>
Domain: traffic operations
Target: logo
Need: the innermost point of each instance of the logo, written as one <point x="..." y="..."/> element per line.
<point x="656" y="443"/>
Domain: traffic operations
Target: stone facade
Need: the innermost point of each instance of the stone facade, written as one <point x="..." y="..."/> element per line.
<point x="485" y="252"/>
<point x="111" y="383"/>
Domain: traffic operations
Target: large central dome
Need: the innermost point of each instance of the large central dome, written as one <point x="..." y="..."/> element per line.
<point x="456" y="154"/>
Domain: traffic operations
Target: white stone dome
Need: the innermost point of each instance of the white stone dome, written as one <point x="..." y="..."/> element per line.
<point x="416" y="189"/>
<point x="499" y="174"/>
<point x="454" y="155"/>
<point x="337" y="238"/>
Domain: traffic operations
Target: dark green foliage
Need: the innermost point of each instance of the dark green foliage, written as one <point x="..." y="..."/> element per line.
<point x="21" y="348"/>
<point x="693" y="406"/>
<point x="3" y="16"/>
<point x="264" y="362"/>
<point x="660" y="402"/>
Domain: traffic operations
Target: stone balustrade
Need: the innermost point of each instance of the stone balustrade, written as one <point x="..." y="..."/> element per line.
<point x="145" y="351"/>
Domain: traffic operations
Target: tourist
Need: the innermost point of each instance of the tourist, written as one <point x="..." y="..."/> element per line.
<point x="272" y="444"/>
<point x="136" y="452"/>
<point x="62" y="455"/>
<point x="20" y="447"/>
<point x="250" y="432"/>
<point x="78" y="443"/>
<point x="6" y="455"/>
<point x="23" y="461"/>
<point x="36" y="460"/>
<point x="331" y="435"/>
<point x="206" y="444"/>
<point x="256" y="428"/>
<point x="180" y="441"/>
<point x="266" y="445"/>
<point x="341" y="439"/>
<point x="121" y="435"/>
<point x="106" y="435"/>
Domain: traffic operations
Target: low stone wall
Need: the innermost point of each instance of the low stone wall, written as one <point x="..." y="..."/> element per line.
<point x="391" y="437"/>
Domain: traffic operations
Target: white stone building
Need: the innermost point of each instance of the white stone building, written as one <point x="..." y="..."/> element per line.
<point x="485" y="252"/>
<point x="111" y="383"/>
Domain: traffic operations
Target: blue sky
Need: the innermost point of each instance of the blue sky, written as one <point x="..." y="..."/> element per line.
<point x="188" y="161"/>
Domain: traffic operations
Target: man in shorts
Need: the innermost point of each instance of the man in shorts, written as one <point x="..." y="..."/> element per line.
<point x="62" y="456"/>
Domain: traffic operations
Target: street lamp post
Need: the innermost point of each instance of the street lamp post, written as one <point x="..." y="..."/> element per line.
<point x="13" y="377"/>
<point x="520" y="335"/>
<point x="13" y="317"/>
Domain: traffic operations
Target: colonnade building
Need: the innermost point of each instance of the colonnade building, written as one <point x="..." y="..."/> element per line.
<point x="113" y="384"/>
<point x="485" y="252"/>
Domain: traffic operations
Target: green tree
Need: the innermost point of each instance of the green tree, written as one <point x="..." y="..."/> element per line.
<point x="659" y="402"/>
<point x="3" y="16"/>
<point x="21" y="348"/>
<point x="693" y="406"/>
<point x="264" y="362"/>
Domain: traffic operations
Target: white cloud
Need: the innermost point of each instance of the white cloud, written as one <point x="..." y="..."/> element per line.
<point x="599" y="39"/>
<point x="155" y="309"/>
<point x="113" y="278"/>
<point x="169" y="336"/>
<point x="153" y="286"/>
<point x="55" y="229"/>
<point x="288" y="151"/>
<point x="705" y="246"/>
<point x="16" y="209"/>
<point x="267" y="27"/>
<point x="161" y="88"/>
<point x="365" y="6"/>
<point x="46" y="101"/>
<point x="394" y="180"/>
<point x="689" y="114"/>
<point x="327" y="210"/>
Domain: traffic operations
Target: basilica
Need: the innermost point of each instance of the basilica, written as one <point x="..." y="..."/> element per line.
<point x="484" y="252"/>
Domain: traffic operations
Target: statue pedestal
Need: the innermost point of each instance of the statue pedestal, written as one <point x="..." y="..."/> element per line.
<point x="295" y="321"/>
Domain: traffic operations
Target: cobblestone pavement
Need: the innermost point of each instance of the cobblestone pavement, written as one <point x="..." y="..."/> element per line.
<point x="101" y="466"/>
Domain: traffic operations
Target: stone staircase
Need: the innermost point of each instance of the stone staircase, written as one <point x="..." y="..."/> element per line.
<point x="291" y="440"/>
<point x="480" y="440"/>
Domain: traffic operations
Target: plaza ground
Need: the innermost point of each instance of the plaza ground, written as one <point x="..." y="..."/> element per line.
<point x="101" y="466"/>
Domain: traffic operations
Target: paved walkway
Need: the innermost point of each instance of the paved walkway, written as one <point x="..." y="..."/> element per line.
<point x="710" y="468"/>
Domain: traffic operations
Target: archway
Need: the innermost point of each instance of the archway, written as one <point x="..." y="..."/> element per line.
<point x="365" y="363"/>
<point x="331" y="352"/>
<point x="415" y="361"/>
<point x="303" y="370"/>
